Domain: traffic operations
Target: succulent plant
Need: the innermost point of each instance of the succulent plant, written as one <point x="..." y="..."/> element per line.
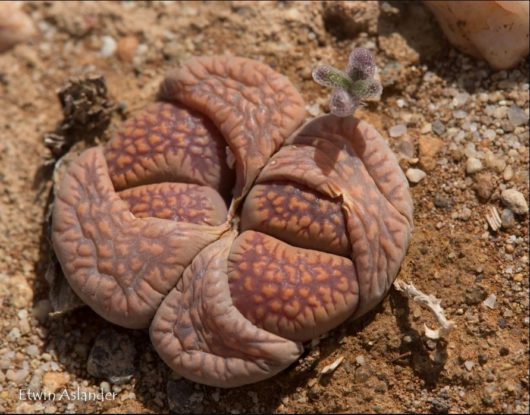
<point x="352" y="86"/>
<point x="230" y="232"/>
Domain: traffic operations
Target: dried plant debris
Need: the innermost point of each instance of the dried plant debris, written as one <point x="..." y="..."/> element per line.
<point x="351" y="87"/>
<point x="332" y="366"/>
<point x="430" y="302"/>
<point x="493" y="218"/>
<point x="87" y="114"/>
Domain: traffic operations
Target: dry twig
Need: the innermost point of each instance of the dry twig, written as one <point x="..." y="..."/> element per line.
<point x="430" y="302"/>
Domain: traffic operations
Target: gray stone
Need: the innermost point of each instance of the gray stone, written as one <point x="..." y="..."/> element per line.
<point x="438" y="127"/>
<point x="490" y="301"/>
<point x="36" y="381"/>
<point x="500" y="112"/>
<point x="459" y="114"/>
<point x="18" y="376"/>
<point x="440" y="405"/>
<point x="406" y="149"/>
<point x="442" y="201"/>
<point x="517" y="116"/>
<point x="32" y="350"/>
<point x="112" y="357"/>
<point x="460" y="99"/>
<point x="489" y="134"/>
<point x="363" y="373"/>
<point x="507" y="219"/>
<point x="515" y="201"/>
<point x="397" y="130"/>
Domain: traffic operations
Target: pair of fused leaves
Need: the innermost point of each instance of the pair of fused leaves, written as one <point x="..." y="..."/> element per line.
<point x="351" y="87"/>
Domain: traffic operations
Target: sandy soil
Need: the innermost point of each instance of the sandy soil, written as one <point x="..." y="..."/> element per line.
<point x="454" y="108"/>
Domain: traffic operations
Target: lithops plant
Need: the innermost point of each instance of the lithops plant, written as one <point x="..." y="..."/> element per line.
<point x="231" y="230"/>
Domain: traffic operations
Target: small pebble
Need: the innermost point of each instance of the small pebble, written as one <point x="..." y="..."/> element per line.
<point x="32" y="350"/>
<point x="429" y="147"/>
<point x="397" y="130"/>
<point x="126" y="48"/>
<point x="484" y="187"/>
<point x="415" y="175"/>
<point x="465" y="214"/>
<point x="18" y="376"/>
<point x="108" y="46"/>
<point x="459" y="114"/>
<point x="426" y="128"/>
<point x="36" y="381"/>
<point x="442" y="201"/>
<point x="362" y="374"/>
<point x="460" y="99"/>
<point x="14" y="333"/>
<point x="490" y="301"/>
<point x="406" y="149"/>
<point x="469" y="365"/>
<point x="507" y="219"/>
<point x="440" y="406"/>
<point x="475" y="295"/>
<point x="473" y="165"/>
<point x="517" y="116"/>
<point x="515" y="201"/>
<point x="489" y="134"/>
<point x="105" y="386"/>
<point x="360" y="360"/>
<point x="438" y="127"/>
<point x="507" y="174"/>
<point x="112" y="357"/>
<point x="500" y="112"/>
